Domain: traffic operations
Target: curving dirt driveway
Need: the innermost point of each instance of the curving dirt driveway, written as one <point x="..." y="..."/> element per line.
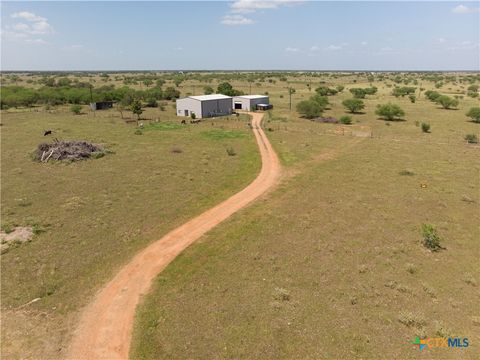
<point x="105" y="327"/>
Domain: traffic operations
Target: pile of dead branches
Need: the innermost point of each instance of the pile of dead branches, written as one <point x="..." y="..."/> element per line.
<point x="68" y="150"/>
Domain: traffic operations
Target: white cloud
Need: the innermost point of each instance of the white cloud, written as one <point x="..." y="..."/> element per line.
<point x="440" y="40"/>
<point x="37" y="41"/>
<point x="236" y="20"/>
<point x="462" y="9"/>
<point x="33" y="25"/>
<point x="21" y="27"/>
<point x="27" y="16"/>
<point x="249" y="6"/>
<point x="239" y="7"/>
<point x="464" y="45"/>
<point x="314" y="48"/>
<point x="291" y="49"/>
<point x="334" y="47"/>
<point x="364" y="43"/>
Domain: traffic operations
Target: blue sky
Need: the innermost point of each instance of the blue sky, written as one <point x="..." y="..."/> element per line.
<point x="242" y="34"/>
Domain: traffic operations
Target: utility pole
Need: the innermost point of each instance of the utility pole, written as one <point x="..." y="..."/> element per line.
<point x="91" y="100"/>
<point x="290" y="95"/>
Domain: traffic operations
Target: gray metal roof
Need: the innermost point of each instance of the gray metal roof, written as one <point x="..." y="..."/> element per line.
<point x="252" y="96"/>
<point x="210" y="97"/>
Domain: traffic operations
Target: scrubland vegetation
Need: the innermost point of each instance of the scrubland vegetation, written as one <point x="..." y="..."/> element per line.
<point x="370" y="240"/>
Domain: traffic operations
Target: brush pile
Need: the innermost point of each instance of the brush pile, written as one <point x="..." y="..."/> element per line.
<point x="68" y="150"/>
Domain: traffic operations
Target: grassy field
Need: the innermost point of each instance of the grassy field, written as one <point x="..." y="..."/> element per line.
<point x="331" y="264"/>
<point x="95" y="215"/>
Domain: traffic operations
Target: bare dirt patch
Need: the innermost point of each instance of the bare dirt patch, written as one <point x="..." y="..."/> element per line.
<point x="19" y="235"/>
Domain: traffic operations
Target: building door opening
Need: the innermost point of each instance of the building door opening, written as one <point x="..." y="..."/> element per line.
<point x="186" y="112"/>
<point x="238" y="106"/>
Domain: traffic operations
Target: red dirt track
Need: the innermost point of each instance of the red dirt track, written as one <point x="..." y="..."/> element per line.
<point x="105" y="327"/>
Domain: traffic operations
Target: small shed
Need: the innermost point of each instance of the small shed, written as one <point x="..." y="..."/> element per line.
<point x="101" y="105"/>
<point x="249" y="102"/>
<point x="204" y="106"/>
<point x="264" y="107"/>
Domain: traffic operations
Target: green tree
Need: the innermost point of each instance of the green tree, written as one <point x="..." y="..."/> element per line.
<point x="474" y="114"/>
<point x="309" y="109"/>
<point x="390" y="111"/>
<point x="226" y="88"/>
<point x="447" y="102"/>
<point x="358" y="93"/>
<point x="207" y="90"/>
<point x="325" y="91"/>
<point x="171" y="93"/>
<point x="354" y="105"/>
<point x="136" y="108"/>
<point x="432" y="95"/>
<point x="320" y="100"/>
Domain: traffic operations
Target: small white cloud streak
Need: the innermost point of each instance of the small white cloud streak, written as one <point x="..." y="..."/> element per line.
<point x="462" y="9"/>
<point x="234" y="20"/>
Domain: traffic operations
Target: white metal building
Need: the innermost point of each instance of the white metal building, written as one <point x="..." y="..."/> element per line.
<point x="205" y="106"/>
<point x="249" y="102"/>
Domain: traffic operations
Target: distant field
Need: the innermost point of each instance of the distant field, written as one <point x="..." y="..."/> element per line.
<point x="329" y="265"/>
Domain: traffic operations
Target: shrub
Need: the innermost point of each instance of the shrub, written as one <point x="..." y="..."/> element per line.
<point x="402" y="91"/>
<point x="151" y="102"/>
<point x="193" y="116"/>
<point x="346" y="120"/>
<point x="354" y="105"/>
<point x="325" y="91"/>
<point x="76" y="109"/>
<point x="447" y="102"/>
<point x="231" y="151"/>
<point x="431" y="239"/>
<point x="406" y="173"/>
<point x="474" y="114"/>
<point x="207" y="90"/>
<point x="432" y="95"/>
<point x="389" y="111"/>
<point x="425" y="127"/>
<point x="412" y="98"/>
<point x="358" y="93"/>
<point x="138" y="132"/>
<point x="309" y="109"/>
<point x="471" y="138"/>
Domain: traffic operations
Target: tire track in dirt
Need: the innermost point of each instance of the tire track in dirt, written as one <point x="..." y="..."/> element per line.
<point x="105" y="327"/>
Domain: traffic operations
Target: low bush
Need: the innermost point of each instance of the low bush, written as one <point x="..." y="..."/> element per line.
<point x="425" y="127"/>
<point x="76" y="109"/>
<point x="431" y="239"/>
<point x="471" y="138"/>
<point x="346" y="120"/>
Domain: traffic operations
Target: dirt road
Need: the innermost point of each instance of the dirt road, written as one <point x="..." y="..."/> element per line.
<point x="105" y="327"/>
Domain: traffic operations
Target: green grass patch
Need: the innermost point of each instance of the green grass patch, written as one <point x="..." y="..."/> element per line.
<point x="220" y="134"/>
<point x="163" y="126"/>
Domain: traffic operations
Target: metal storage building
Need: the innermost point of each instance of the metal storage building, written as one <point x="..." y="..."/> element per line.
<point x="249" y="102"/>
<point x="205" y="106"/>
